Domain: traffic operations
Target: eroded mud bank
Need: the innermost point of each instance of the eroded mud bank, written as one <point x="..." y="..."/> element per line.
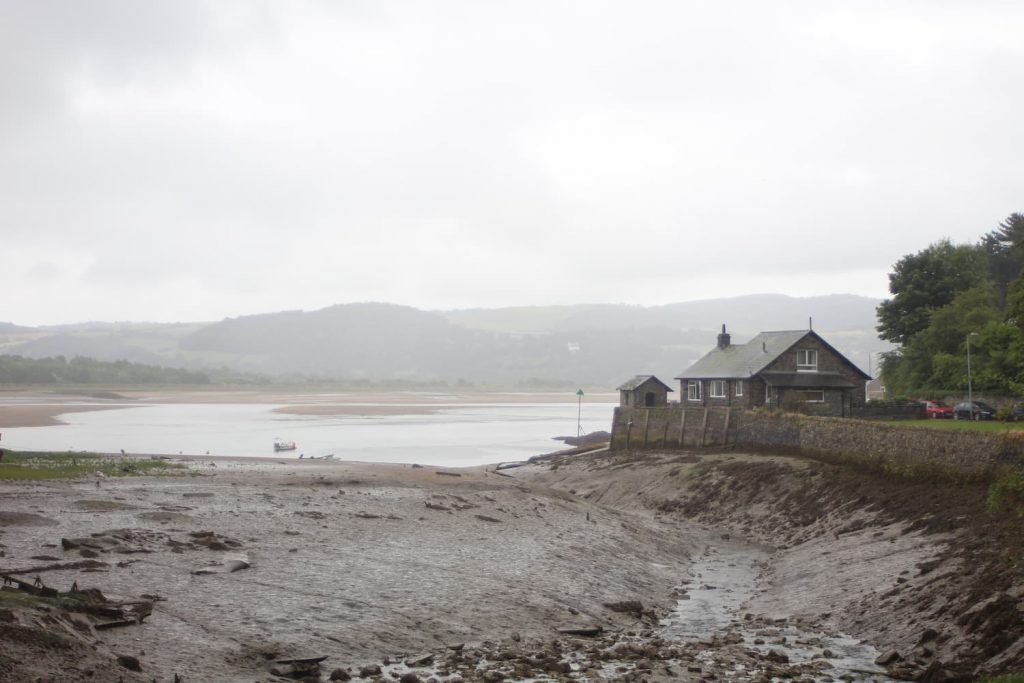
<point x="915" y="568"/>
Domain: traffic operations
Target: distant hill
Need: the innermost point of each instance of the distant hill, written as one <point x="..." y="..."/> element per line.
<point x="601" y="344"/>
<point x="6" y="328"/>
<point x="745" y="314"/>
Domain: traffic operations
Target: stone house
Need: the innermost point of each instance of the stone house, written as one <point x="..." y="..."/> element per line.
<point x="644" y="391"/>
<point x="776" y="369"/>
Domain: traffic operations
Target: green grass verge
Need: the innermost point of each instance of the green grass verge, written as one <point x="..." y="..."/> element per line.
<point x="32" y="466"/>
<point x="1007" y="491"/>
<point x="967" y="425"/>
<point x="1009" y="678"/>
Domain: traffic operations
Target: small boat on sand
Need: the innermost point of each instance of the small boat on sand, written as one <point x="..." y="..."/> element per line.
<point x="282" y="445"/>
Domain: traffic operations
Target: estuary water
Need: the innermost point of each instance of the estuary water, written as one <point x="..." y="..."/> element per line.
<point x="451" y="435"/>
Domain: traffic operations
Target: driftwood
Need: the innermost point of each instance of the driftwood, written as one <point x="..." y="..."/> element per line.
<point x="302" y="660"/>
<point x="226" y="568"/>
<point x="420" y="660"/>
<point x="114" y="624"/>
<point x="297" y="667"/>
<point x="587" y="631"/>
<point x="485" y="518"/>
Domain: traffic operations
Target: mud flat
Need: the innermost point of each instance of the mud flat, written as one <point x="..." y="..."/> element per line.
<point x="597" y="567"/>
<point x="355" y="562"/>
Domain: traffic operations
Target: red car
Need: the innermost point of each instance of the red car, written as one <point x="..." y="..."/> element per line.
<point x="937" y="410"/>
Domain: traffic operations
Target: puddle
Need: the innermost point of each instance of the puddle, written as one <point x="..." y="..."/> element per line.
<point x="722" y="580"/>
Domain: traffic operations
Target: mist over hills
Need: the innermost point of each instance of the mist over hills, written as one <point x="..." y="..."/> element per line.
<point x="601" y="344"/>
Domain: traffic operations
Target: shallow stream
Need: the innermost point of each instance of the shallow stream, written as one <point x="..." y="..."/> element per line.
<point x="723" y="579"/>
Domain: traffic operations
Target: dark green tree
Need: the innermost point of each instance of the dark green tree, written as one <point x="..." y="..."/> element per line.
<point x="926" y="281"/>
<point x="934" y="362"/>
<point x="1004" y="250"/>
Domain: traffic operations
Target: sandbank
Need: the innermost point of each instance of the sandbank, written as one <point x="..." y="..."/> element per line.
<point x="44" y="415"/>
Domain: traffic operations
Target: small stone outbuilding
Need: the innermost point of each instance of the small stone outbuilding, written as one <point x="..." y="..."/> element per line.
<point x="644" y="391"/>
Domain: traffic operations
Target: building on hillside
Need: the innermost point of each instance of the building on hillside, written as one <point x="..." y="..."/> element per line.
<point x="644" y="391"/>
<point x="775" y="369"/>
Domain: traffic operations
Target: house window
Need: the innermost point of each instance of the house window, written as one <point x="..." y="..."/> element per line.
<point x="718" y="388"/>
<point x="811" y="396"/>
<point x="693" y="392"/>
<point x="806" y="360"/>
<point x="739" y="387"/>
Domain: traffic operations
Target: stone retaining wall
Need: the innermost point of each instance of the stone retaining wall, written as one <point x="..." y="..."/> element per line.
<point x="671" y="427"/>
<point x="889" y="447"/>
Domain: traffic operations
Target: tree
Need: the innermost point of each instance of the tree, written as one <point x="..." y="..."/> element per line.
<point x="934" y="361"/>
<point x="1004" y="250"/>
<point x="926" y="281"/>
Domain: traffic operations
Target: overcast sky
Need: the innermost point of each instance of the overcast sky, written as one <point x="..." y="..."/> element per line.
<point x="190" y="160"/>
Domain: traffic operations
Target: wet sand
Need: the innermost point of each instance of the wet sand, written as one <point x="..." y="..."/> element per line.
<point x="30" y="408"/>
<point x="354" y="410"/>
<point x="44" y="415"/>
<point x="328" y="397"/>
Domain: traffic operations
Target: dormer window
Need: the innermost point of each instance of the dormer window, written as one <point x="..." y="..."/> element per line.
<point x="806" y="360"/>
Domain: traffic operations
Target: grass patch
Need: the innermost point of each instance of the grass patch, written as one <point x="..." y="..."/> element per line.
<point x="1007" y="491"/>
<point x="965" y="425"/>
<point x="31" y="466"/>
<point x="1008" y="678"/>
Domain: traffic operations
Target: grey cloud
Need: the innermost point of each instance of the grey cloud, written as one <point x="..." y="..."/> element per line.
<point x="399" y="150"/>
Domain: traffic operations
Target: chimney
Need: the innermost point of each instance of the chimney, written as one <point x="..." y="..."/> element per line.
<point x="724" y="339"/>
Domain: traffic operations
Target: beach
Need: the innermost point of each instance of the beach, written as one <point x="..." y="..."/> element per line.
<point x="591" y="567"/>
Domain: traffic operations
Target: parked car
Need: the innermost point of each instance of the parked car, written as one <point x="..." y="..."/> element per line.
<point x="1017" y="412"/>
<point x="937" y="410"/>
<point x="977" y="410"/>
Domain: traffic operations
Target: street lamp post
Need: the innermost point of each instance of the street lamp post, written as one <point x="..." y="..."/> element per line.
<point x="970" y="387"/>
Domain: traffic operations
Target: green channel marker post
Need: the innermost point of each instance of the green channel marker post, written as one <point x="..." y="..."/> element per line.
<point x="579" y="414"/>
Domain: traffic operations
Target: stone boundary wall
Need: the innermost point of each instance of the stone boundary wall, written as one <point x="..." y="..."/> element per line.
<point x="885" y="446"/>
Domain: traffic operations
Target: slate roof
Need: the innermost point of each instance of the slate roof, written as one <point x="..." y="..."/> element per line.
<point x="739" y="361"/>
<point x="639" y="381"/>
